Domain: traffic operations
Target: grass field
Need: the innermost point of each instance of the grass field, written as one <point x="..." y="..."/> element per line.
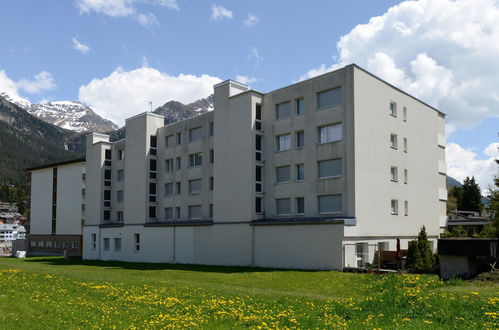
<point x="48" y="293"/>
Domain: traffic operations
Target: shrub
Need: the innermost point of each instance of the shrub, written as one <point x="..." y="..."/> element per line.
<point x="420" y="257"/>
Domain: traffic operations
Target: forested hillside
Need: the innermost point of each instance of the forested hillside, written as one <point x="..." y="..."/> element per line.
<point x="27" y="141"/>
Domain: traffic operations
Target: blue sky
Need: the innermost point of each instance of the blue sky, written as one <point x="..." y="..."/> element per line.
<point x="116" y="55"/>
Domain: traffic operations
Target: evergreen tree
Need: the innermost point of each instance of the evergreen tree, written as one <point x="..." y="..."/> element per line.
<point x="492" y="230"/>
<point x="472" y="198"/>
<point x="419" y="254"/>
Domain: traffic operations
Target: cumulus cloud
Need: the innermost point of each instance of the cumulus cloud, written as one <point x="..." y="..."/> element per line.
<point x="42" y="82"/>
<point x="246" y="80"/>
<point x="251" y="20"/>
<point x="125" y="8"/>
<point x="462" y="163"/>
<point x="123" y="94"/>
<point x="218" y="13"/>
<point x="82" y="48"/>
<point x="442" y="51"/>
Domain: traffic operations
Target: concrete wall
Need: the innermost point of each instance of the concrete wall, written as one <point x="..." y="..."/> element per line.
<point x="41" y="202"/>
<point x="69" y="199"/>
<point x="299" y="246"/>
<point x="374" y="157"/>
<point x="312" y="152"/>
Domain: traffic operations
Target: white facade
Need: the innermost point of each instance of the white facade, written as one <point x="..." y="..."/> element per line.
<point x="57" y="207"/>
<point x="314" y="175"/>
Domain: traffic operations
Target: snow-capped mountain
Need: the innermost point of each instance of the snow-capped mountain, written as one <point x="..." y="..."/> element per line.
<point x="17" y="100"/>
<point x="176" y="111"/>
<point x="71" y="115"/>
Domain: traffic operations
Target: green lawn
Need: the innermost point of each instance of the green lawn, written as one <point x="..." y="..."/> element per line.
<point x="43" y="293"/>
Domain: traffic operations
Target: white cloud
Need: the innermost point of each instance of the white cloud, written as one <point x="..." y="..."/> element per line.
<point x="246" y="80"/>
<point x="218" y="12"/>
<point x="125" y="8"/>
<point x="255" y="54"/>
<point x="123" y="94"/>
<point x="8" y="86"/>
<point x="147" y="20"/>
<point x="42" y="82"/>
<point x="114" y="8"/>
<point x="77" y="45"/>
<point x="251" y="20"/>
<point x="462" y="163"/>
<point x="442" y="51"/>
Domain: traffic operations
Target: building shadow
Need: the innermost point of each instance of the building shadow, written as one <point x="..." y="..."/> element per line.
<point x="60" y="261"/>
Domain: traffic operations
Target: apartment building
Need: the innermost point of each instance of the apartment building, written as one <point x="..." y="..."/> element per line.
<point x="316" y="175"/>
<point x="56" y="208"/>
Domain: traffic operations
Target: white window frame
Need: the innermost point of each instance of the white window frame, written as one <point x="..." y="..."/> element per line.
<point x="393" y="109"/>
<point x="394" y="207"/>
<point x="196" y="159"/>
<point x="393" y="141"/>
<point x="394" y="176"/>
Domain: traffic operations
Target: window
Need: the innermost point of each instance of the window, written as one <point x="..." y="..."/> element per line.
<point x="195" y="159"/>
<point x="300" y="172"/>
<point x="107" y="195"/>
<point x="121" y="154"/>
<point x="106" y="244"/>
<point x="169" y="141"/>
<point x="406" y="208"/>
<point x="152" y="212"/>
<point x="258" y="112"/>
<point x="48" y="244"/>
<point x="393" y="109"/>
<point x="212" y="156"/>
<point x="179" y="163"/>
<point x="405" y="144"/>
<point x="258" y="173"/>
<point x="300" y="205"/>
<point x="119" y="196"/>
<point x="196" y="134"/>
<point x="177" y="213"/>
<point x="283" y="174"/>
<point x="404" y="114"/>
<point x="195" y="212"/>
<point x="107" y="154"/>
<point x="211" y="211"/>
<point x="300" y="106"/>
<point x="330" y="133"/>
<point x="300" y="139"/>
<point x="152" y="168"/>
<point x="393" y="174"/>
<point x="117" y="244"/>
<point x="120" y="175"/>
<point x="405" y="176"/>
<point x="136" y="240"/>
<point x="178" y="188"/>
<point x="212" y="129"/>
<point x="195" y="186"/>
<point x="394" y="206"/>
<point x="32" y="243"/>
<point x="258" y="142"/>
<point x="152" y="188"/>
<point x="258" y="205"/>
<point x="119" y="216"/>
<point x="330" y="204"/>
<point x="330" y="168"/>
<point x="168" y="189"/>
<point x="169" y="213"/>
<point x="283" y="142"/>
<point x="282" y="110"/>
<point x="153" y="141"/>
<point x="107" y="176"/>
<point x="154" y="144"/>
<point x="179" y="138"/>
<point x="283" y="206"/>
<point x="393" y="141"/>
<point x="329" y="98"/>
<point x="168" y="165"/>
<point x="94" y="241"/>
<point x="211" y="183"/>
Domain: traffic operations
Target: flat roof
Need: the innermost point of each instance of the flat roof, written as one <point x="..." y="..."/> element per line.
<point x="67" y="162"/>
